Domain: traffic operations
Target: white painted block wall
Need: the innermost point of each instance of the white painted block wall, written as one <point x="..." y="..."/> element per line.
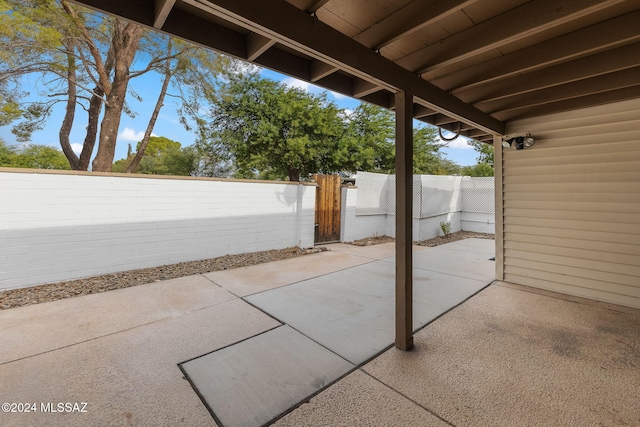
<point x="441" y="201"/>
<point x="56" y="227"/>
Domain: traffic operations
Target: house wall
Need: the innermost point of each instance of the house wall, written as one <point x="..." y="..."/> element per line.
<point x="62" y="226"/>
<point x="571" y="204"/>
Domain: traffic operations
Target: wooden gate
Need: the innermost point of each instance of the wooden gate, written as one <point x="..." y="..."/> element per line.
<point x="328" y="200"/>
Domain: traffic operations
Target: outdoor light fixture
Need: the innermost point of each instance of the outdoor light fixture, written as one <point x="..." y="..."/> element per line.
<point x="519" y="140"/>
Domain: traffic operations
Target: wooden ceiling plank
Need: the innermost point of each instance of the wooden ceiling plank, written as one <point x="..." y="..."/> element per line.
<point x="603" y="83"/>
<point x="257" y="45"/>
<point x="314" y="6"/>
<point x="292" y="27"/>
<point x="607" y="34"/>
<point x="618" y="95"/>
<point x="410" y="18"/>
<point x="320" y="70"/>
<point x="162" y="10"/>
<point x="531" y="18"/>
<point x="567" y="72"/>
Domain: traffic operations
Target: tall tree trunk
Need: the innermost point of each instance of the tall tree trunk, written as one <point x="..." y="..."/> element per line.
<point x="154" y="116"/>
<point x="294" y="174"/>
<point x="95" y="106"/>
<point x="126" y="39"/>
<point x="69" y="115"/>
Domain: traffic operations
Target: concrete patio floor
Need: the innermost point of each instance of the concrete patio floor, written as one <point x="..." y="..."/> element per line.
<point x="510" y="355"/>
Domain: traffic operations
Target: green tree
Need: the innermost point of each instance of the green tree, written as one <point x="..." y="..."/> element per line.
<point x="480" y="169"/>
<point x="32" y="157"/>
<point x="274" y="130"/>
<point x="371" y="138"/>
<point x="6" y="154"/>
<point x="167" y="157"/>
<point x="87" y="61"/>
<point x="485" y="152"/>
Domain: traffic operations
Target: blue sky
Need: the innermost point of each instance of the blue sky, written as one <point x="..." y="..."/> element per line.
<point x="147" y="86"/>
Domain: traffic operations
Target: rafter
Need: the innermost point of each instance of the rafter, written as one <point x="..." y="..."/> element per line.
<point x="608" y="34"/>
<point x="541" y="15"/>
<point x="257" y="45"/>
<point x="363" y="88"/>
<point x="618" y="95"/>
<point x="420" y="111"/>
<point x="162" y="9"/>
<point x="604" y="83"/>
<point x="590" y="66"/>
<point x="408" y="19"/>
<point x="315" y="5"/>
<point x="294" y="28"/>
<point x="320" y="70"/>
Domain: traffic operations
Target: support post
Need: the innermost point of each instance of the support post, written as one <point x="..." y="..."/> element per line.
<point x="404" y="218"/>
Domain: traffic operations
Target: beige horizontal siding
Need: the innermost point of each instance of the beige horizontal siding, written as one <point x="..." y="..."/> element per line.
<point x="571" y="204"/>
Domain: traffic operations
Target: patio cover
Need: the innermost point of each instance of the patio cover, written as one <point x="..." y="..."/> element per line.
<point x="467" y="66"/>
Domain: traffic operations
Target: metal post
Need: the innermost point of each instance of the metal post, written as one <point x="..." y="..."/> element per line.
<point x="404" y="217"/>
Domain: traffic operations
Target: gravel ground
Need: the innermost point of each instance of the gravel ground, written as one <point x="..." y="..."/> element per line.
<point x="452" y="237"/>
<point x="92" y="285"/>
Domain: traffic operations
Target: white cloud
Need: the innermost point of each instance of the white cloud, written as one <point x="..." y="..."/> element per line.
<point x="77" y="148"/>
<point x="130" y="135"/>
<point x="337" y="95"/>
<point x="459" y="143"/>
<point x="293" y="82"/>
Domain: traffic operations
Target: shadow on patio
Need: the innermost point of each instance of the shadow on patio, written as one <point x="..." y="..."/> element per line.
<point x="256" y="342"/>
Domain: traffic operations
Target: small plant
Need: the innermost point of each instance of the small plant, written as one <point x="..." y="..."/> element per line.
<point x="446" y="228"/>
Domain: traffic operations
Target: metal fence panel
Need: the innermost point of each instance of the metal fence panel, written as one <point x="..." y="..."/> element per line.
<point x="478" y="194"/>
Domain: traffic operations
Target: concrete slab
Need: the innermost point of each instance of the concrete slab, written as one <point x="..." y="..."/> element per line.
<point x="254" y="381"/>
<point x="258" y="278"/>
<point x="513" y="356"/>
<point x="29" y="330"/>
<point x="130" y="378"/>
<point x="381" y="251"/>
<point x="352" y="311"/>
<point x="465" y="258"/>
<point x="359" y="400"/>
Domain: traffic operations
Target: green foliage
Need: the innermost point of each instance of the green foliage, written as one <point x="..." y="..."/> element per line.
<point x="481" y="169"/>
<point x="445" y="227"/>
<point x="369" y="139"/>
<point x="164" y="156"/>
<point x="54" y="41"/>
<point x="274" y="129"/>
<point x="485" y="152"/>
<point x="32" y="157"/>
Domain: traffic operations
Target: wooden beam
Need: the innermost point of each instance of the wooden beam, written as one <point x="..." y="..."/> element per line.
<point x="410" y="18"/>
<point x="498" y="172"/>
<point x="363" y="88"/>
<point x="162" y="9"/>
<point x="314" y="6"/>
<point x="420" y="111"/>
<point x="572" y="104"/>
<point x="605" y="35"/>
<point x="589" y="66"/>
<point x="404" y="219"/>
<point x="257" y="45"/>
<point x="320" y="70"/>
<point x="524" y="21"/>
<point x="604" y="83"/>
